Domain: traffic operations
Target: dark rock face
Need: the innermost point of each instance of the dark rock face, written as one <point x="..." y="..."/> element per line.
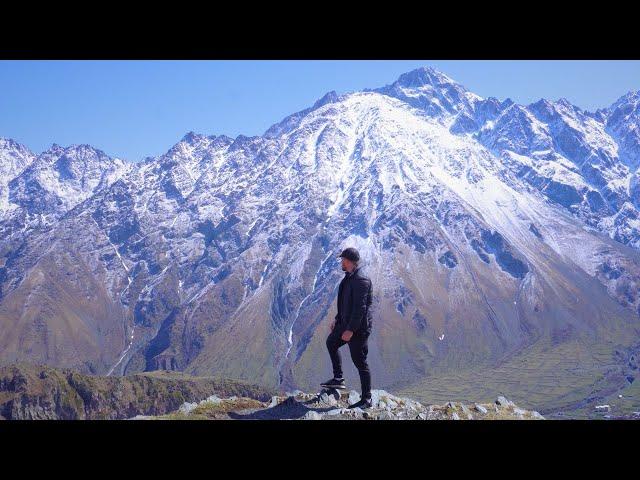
<point x="535" y="231"/>
<point x="448" y="259"/>
<point x="494" y="243"/>
<point x="565" y="195"/>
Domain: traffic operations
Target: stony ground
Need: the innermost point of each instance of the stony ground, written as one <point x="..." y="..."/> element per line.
<point x="327" y="405"/>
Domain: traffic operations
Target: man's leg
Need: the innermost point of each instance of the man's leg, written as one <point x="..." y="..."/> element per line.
<point x="334" y="342"/>
<point x="359" y="350"/>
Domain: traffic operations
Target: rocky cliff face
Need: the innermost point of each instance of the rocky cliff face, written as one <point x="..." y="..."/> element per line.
<point x="43" y="393"/>
<point x="502" y="241"/>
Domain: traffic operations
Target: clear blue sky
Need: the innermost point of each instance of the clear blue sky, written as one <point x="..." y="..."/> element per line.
<point x="133" y="109"/>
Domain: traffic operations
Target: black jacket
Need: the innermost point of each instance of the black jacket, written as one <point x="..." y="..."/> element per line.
<point x="355" y="295"/>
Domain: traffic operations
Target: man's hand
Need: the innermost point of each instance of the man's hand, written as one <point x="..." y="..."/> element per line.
<point x="346" y="335"/>
<point x="333" y="324"/>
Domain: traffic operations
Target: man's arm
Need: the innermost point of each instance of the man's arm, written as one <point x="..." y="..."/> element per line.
<point x="360" y="290"/>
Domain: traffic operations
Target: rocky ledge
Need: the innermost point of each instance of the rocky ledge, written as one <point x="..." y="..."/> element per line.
<point x="34" y="392"/>
<point x="327" y="405"/>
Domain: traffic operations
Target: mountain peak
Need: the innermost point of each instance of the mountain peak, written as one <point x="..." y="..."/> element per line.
<point x="294" y="119"/>
<point x="632" y="97"/>
<point x="78" y="149"/>
<point x="192" y="137"/>
<point x="424" y="76"/>
<point x="8" y="143"/>
<point x="329" y="97"/>
<point x="564" y="102"/>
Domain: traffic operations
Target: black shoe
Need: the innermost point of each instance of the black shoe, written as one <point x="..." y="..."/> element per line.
<point x="334" y="383"/>
<point x="362" y="403"/>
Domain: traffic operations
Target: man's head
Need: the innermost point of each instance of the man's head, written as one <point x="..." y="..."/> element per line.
<point x="350" y="258"/>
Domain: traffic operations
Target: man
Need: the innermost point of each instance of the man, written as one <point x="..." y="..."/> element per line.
<point x="352" y="325"/>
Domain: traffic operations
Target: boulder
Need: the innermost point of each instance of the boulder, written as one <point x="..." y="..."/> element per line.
<point x="503" y="402"/>
<point x="187" y="407"/>
<point x="295" y="393"/>
<point x="328" y="399"/>
<point x="386" y="416"/>
<point x="216" y="399"/>
<point x="336" y="411"/>
<point x="312" y="415"/>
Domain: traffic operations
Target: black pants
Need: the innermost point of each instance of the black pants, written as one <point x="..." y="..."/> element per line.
<point x="358" y="348"/>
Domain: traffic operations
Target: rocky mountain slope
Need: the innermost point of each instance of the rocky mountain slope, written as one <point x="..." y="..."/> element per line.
<point x="29" y="392"/>
<point x="502" y="241"/>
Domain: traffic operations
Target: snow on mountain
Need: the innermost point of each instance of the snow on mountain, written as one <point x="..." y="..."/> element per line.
<point x="431" y="91"/>
<point x="14" y="158"/>
<point x="53" y="183"/>
<point x="60" y="178"/>
<point x="623" y="124"/>
<point x="493" y="233"/>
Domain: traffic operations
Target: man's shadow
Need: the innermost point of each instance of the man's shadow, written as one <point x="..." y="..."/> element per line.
<point x="288" y="409"/>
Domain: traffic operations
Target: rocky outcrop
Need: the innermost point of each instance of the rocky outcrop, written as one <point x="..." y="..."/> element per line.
<point x="42" y="393"/>
<point x="332" y="405"/>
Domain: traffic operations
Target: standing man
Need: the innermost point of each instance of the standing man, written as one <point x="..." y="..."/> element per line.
<point x="352" y="325"/>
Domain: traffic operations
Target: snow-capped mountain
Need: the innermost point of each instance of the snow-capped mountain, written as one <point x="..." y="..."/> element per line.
<point x="14" y="158"/>
<point x="502" y="241"/>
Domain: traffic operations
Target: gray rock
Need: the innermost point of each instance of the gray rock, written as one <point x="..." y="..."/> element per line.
<point x="216" y="399"/>
<point x="187" y="407"/>
<point x="353" y="397"/>
<point x="312" y="415"/>
<point x="336" y="411"/>
<point x="386" y="416"/>
<point x="421" y="416"/>
<point x="274" y="402"/>
<point x="481" y="409"/>
<point x="295" y="393"/>
<point x="503" y="402"/>
<point x="455" y="416"/>
<point x="328" y="399"/>
<point x="377" y="395"/>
